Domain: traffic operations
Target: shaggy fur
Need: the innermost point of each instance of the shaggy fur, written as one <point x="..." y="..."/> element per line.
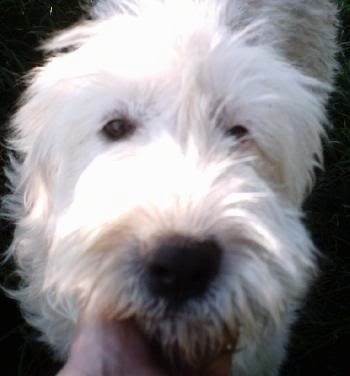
<point x="88" y="210"/>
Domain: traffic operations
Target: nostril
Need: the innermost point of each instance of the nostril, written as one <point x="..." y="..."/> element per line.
<point x="198" y="277"/>
<point x="183" y="267"/>
<point x="163" y="275"/>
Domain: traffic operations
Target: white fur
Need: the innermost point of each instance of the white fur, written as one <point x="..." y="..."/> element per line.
<point x="88" y="210"/>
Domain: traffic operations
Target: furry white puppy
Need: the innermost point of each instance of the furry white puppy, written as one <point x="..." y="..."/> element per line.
<point x="164" y="151"/>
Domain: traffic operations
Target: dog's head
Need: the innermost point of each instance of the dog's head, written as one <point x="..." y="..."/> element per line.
<point x="164" y="160"/>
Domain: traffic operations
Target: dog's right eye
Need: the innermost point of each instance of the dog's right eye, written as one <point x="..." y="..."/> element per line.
<point x="118" y="129"/>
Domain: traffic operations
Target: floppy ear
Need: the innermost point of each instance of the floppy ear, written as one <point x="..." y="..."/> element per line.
<point x="28" y="206"/>
<point x="29" y="174"/>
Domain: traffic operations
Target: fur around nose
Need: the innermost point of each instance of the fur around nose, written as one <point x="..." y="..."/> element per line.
<point x="182" y="268"/>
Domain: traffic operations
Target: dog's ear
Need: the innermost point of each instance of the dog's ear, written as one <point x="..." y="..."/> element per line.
<point x="106" y="8"/>
<point x="73" y="37"/>
<point x="32" y="165"/>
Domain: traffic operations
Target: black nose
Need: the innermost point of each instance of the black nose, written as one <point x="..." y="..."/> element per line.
<point x="182" y="268"/>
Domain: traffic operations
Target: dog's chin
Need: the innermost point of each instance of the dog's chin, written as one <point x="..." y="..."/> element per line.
<point x="109" y="347"/>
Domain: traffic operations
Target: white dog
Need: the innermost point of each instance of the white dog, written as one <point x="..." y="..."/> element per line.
<point x="165" y="150"/>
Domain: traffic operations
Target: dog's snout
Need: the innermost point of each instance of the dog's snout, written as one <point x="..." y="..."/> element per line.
<point x="182" y="268"/>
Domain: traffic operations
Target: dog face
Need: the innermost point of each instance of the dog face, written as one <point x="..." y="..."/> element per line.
<point x="162" y="177"/>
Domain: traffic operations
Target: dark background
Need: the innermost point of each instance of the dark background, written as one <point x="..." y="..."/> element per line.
<point x="321" y="339"/>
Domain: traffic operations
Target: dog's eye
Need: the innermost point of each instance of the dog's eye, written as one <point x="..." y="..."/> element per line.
<point x="238" y="131"/>
<point x="118" y="129"/>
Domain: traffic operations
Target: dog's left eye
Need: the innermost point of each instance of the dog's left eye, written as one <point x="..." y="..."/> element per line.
<point x="118" y="129"/>
<point x="238" y="131"/>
